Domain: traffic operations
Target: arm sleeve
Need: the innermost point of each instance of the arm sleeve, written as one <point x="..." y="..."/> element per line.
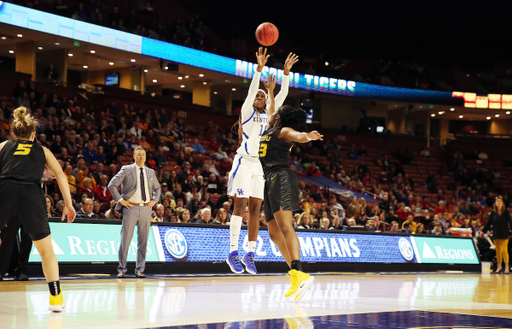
<point x="253" y="91"/>
<point x="488" y="223"/>
<point x="115" y="183"/>
<point x="283" y="93"/>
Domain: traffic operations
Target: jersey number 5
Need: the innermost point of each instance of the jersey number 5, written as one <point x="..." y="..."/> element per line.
<point x="23" y="149"/>
<point x="262" y="151"/>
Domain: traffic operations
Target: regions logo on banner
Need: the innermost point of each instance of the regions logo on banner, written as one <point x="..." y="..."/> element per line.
<point x="84" y="242"/>
<point x="445" y="251"/>
<point x="203" y="244"/>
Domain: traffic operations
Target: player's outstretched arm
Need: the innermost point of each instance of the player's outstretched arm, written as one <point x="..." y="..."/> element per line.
<point x="261" y="57"/>
<point x="54" y="166"/>
<point x="270" y="85"/>
<point x="290" y="135"/>
<point x="285" y="86"/>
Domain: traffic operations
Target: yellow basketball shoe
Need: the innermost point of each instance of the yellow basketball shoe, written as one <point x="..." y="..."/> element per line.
<point x="56" y="303"/>
<point x="304" y="281"/>
<point x="294" y="284"/>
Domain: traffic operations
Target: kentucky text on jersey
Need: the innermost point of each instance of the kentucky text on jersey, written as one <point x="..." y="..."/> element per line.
<point x="260" y="119"/>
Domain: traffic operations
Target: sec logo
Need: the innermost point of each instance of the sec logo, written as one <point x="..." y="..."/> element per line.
<point x="406" y="249"/>
<point x="176" y="244"/>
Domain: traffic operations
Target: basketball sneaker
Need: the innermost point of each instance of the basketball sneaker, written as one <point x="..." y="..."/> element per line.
<point x="234" y="262"/>
<point x="300" y="283"/>
<point x="56" y="303"/>
<point x="248" y="261"/>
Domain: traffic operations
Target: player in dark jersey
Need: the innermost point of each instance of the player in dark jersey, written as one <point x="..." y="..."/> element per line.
<point x="22" y="163"/>
<point x="281" y="195"/>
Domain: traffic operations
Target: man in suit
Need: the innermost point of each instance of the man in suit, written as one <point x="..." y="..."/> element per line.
<point x="140" y="191"/>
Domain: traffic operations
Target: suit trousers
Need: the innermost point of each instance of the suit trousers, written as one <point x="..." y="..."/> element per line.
<point x="140" y="216"/>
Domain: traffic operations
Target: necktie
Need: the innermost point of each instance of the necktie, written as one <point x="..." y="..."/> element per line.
<point x="142" y="185"/>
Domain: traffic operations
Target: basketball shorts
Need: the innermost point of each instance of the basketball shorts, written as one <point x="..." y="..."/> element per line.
<point x="28" y="201"/>
<point x="281" y="191"/>
<point x="246" y="178"/>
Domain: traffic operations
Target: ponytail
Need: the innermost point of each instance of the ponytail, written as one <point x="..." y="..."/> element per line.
<point x="24" y="124"/>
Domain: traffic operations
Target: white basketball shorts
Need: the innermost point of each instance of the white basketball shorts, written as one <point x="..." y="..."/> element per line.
<point x="246" y="178"/>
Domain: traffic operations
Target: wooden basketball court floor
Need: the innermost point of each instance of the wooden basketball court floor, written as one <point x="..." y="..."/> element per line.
<point x="335" y="300"/>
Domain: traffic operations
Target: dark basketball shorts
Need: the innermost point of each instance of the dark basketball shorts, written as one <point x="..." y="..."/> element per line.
<point x="281" y="191"/>
<point x="29" y="203"/>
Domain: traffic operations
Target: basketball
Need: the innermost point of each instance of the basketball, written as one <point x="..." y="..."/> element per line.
<point x="267" y="34"/>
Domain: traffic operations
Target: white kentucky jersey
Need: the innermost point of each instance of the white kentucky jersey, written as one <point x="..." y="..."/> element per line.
<point x="254" y="123"/>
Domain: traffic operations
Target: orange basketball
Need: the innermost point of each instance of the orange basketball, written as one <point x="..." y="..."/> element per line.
<point x="267" y="34"/>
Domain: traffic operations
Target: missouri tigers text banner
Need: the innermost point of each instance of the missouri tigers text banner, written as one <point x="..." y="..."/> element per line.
<point x="86" y="32"/>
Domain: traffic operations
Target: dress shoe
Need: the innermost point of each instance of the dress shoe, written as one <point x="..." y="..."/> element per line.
<point x="21" y="277"/>
<point x="140" y="275"/>
<point x="120" y="275"/>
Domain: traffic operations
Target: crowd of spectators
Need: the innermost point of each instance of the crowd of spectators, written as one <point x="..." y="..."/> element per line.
<point x="92" y="147"/>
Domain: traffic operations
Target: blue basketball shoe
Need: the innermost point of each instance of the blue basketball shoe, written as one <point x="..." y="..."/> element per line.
<point x="234" y="262"/>
<point x="248" y="261"/>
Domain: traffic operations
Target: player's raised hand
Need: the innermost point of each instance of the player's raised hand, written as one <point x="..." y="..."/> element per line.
<point x="290" y="60"/>
<point x="262" y="58"/>
<point x="271" y="83"/>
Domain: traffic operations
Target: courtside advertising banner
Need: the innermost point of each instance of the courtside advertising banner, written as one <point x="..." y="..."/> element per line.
<point x="97" y="243"/>
<point x="203" y="244"/>
<point x="85" y="242"/>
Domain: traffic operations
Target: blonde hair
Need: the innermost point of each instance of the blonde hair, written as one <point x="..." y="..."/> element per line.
<point x="299" y="222"/>
<point x="23" y="124"/>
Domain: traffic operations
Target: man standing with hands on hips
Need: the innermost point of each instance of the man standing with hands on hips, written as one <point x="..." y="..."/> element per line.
<point x="139" y="190"/>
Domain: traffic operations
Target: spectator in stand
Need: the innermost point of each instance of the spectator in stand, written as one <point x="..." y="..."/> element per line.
<point x="159" y="214"/>
<point x="89" y="153"/>
<point x="101" y="192"/>
<point x="395" y="228"/>
<point x="437" y="229"/>
<point x="51" y="74"/>
<point x="197" y="147"/>
<point x="215" y="186"/>
<point x="501" y="221"/>
<point x="407" y="228"/>
<point x="206" y="216"/>
<point x="185" y="216"/>
<point x="425" y="153"/>
<point x="351" y="222"/>
<point x="194" y="205"/>
<point x="402" y="212"/>
<point x="419" y="229"/>
<point x="71" y="179"/>
<point x="303" y="222"/>
<point x="441" y="208"/>
<point x="390" y="215"/>
<point x="336" y="224"/>
<point x="325" y="223"/>
<point x="352" y="154"/>
<point x="352" y="208"/>
<point x="410" y="220"/>
<point x="221" y="218"/>
<point x="178" y="194"/>
<point x="87" y="209"/>
<point x="173" y="180"/>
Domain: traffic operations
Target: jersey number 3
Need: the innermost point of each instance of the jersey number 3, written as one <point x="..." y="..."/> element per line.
<point x="23" y="149"/>
<point x="262" y="151"/>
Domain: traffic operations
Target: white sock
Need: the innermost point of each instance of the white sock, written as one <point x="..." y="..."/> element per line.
<point x="235" y="225"/>
<point x="251" y="246"/>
